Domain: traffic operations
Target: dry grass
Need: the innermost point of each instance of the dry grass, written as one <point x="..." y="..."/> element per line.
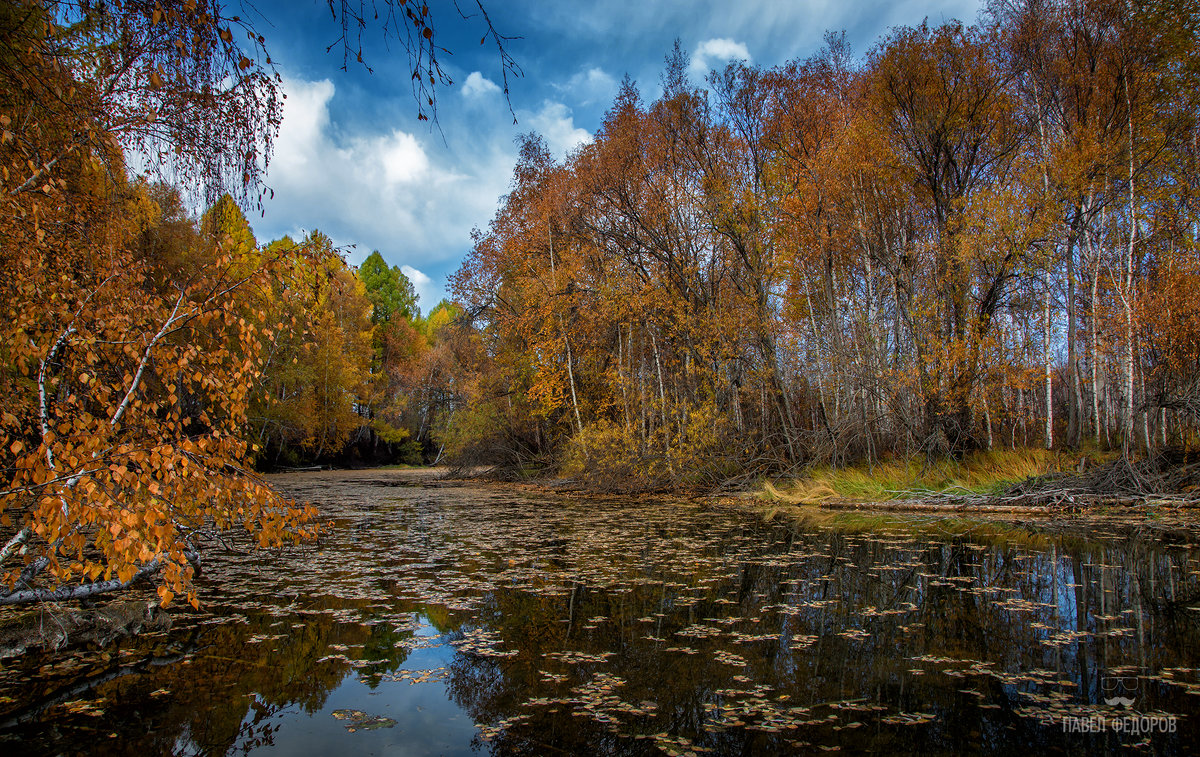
<point x="989" y="472"/>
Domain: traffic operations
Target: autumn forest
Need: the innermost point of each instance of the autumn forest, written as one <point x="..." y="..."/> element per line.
<point x="967" y="237"/>
<point x="972" y="237"/>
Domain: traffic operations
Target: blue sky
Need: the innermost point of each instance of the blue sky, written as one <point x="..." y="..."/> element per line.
<point x="353" y="160"/>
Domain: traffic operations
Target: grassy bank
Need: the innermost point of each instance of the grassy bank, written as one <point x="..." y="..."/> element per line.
<point x="969" y="498"/>
<point x="980" y="473"/>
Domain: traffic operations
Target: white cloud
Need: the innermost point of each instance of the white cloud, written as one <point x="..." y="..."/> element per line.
<point x="306" y="118"/>
<point x="353" y="161"/>
<point x="402" y="157"/>
<point x="556" y="124"/>
<point x="723" y="49"/>
<point x="428" y="294"/>
<point x="590" y="86"/>
<point x="477" y="86"/>
<point x="714" y="51"/>
<point x="634" y="35"/>
<point x="401" y="193"/>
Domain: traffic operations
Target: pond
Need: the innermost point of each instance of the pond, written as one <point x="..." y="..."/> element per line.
<point x="454" y="618"/>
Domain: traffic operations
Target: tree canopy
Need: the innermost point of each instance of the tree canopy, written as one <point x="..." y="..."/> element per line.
<point x="966" y="238"/>
<point x="390" y="291"/>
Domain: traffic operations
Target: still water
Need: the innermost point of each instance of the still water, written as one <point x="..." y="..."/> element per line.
<point x="445" y="618"/>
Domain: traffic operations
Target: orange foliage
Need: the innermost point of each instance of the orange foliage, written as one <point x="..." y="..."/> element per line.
<point x="934" y="248"/>
<point x="128" y="364"/>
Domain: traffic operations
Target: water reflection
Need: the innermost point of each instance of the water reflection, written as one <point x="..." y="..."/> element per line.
<point x="468" y="619"/>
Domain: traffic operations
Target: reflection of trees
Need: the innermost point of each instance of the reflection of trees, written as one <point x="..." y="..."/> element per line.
<point x="1007" y="605"/>
<point x="384" y="648"/>
<point x="245" y="683"/>
<point x="222" y="687"/>
<point x="540" y="576"/>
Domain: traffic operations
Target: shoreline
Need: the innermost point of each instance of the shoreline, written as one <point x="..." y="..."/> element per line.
<point x="1068" y="495"/>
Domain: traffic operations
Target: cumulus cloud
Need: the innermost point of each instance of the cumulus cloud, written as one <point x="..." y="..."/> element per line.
<point x="591" y="85"/>
<point x="352" y="161"/>
<point x="306" y="118"/>
<point x="389" y="190"/>
<point x="428" y="293"/>
<point x="477" y="85"/>
<point x="712" y="52"/>
<point x="402" y="158"/>
<point x="556" y="124"/>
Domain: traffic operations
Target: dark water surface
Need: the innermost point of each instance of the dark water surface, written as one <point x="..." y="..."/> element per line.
<point x="462" y="619"/>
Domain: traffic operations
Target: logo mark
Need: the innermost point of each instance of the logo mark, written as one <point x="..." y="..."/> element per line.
<point x="1119" y="690"/>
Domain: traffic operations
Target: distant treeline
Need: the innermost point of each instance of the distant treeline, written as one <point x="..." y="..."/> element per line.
<point x="347" y="368"/>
